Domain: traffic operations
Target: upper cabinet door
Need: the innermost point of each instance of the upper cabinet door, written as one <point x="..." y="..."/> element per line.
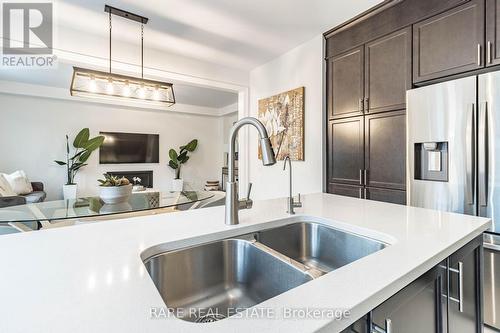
<point x="492" y="32"/>
<point x="388" y="72"/>
<point x="345" y="84"/>
<point x="385" y="150"/>
<point x="449" y="43"/>
<point x="345" y="151"/>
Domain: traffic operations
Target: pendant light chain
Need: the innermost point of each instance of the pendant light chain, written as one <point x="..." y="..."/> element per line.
<point x="142" y="50"/>
<point x="110" y="28"/>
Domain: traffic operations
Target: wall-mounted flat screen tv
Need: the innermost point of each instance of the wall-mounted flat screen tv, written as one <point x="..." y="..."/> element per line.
<point x="129" y="148"/>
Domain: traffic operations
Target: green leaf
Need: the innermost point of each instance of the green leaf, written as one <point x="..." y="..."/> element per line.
<point x="77" y="155"/>
<point x="67" y="144"/>
<point x="85" y="156"/>
<point x="60" y="162"/>
<point x="81" y="138"/>
<point x="94" y="143"/>
<point x="184" y="160"/>
<point x="173" y="164"/>
<point x="182" y="155"/>
<point x="191" y="146"/>
<point x="172" y="154"/>
<point x="78" y="166"/>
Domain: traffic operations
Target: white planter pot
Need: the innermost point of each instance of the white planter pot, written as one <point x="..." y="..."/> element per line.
<point x="177" y="185"/>
<point x="115" y="194"/>
<point x="70" y="191"/>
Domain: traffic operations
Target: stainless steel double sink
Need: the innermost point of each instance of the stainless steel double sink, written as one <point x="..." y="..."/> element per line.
<point x="213" y="281"/>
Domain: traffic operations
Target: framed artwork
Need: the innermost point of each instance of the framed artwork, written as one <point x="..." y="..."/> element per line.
<point x="283" y="116"/>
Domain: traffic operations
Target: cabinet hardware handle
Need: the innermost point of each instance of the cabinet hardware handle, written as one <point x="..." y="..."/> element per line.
<point x="460" y="272"/>
<point x="378" y="329"/>
<point x="360" y="193"/>
<point x="360" y="176"/>
<point x="488" y="52"/>
<point x="361" y="105"/>
<point x="461" y="286"/>
<point x="388" y="326"/>
<point x="365" y="176"/>
<point x="367" y="104"/>
<point x="365" y="192"/>
<point x="479" y="54"/>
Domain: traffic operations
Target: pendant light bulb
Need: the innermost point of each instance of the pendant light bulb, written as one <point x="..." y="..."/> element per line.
<point x="126" y="90"/>
<point x="110" y="89"/>
<point x="156" y="94"/>
<point x="92" y="84"/>
<point x="142" y="92"/>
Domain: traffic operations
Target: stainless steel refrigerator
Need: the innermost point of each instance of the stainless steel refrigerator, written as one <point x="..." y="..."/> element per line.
<point x="453" y="139"/>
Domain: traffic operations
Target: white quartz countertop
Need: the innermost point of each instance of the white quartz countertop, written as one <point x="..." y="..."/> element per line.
<point x="90" y="277"/>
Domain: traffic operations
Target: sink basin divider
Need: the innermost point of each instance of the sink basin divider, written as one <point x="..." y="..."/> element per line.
<point x="312" y="272"/>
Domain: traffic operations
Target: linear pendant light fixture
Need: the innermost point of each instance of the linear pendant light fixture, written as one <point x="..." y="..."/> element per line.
<point x="109" y="86"/>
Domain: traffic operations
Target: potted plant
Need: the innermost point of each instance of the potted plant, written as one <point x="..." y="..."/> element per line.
<point x="83" y="146"/>
<point x="176" y="161"/>
<point x="114" y="190"/>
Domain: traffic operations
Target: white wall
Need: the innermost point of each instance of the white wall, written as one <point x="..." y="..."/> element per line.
<point x="227" y="122"/>
<point x="32" y="131"/>
<point x="301" y="66"/>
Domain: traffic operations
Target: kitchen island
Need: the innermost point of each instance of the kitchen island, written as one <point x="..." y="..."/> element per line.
<point x="91" y="278"/>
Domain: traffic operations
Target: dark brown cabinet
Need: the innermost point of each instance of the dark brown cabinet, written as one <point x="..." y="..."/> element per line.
<point x="370" y="78"/>
<point x="415" y="309"/>
<point x="492" y="32"/>
<point x="346" y="84"/>
<point x="445" y="299"/>
<point x="465" y="288"/>
<point x="385" y="150"/>
<point x="346" y="190"/>
<point x="385" y="195"/>
<point x="388" y="72"/>
<point x="346" y="150"/>
<point x="449" y="43"/>
<point x="366" y="138"/>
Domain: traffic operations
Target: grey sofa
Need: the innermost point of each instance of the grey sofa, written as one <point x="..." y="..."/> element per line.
<point x="38" y="195"/>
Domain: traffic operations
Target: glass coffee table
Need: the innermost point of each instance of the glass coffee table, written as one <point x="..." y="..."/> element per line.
<point x="52" y="213"/>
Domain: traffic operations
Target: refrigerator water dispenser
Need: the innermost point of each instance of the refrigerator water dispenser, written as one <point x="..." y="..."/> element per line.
<point x="431" y="161"/>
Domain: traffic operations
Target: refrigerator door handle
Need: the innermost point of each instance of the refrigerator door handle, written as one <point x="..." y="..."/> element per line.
<point x="482" y="155"/>
<point x="470" y="144"/>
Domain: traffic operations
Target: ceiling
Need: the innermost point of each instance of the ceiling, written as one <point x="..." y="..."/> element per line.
<point x="241" y="34"/>
<point x="61" y="78"/>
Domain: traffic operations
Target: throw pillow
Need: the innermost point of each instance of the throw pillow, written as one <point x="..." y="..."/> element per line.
<point x="5" y="189"/>
<point x="19" y="183"/>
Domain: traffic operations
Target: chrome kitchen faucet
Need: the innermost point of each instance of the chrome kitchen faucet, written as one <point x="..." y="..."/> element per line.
<point x="233" y="204"/>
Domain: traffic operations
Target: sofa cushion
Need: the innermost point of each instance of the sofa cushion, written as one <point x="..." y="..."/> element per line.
<point x="34" y="197"/>
<point x="5" y="189"/>
<point x="19" y="182"/>
<point x="12" y="201"/>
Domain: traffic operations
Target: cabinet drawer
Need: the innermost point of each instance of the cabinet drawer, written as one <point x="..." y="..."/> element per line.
<point x="384" y="195"/>
<point x="346" y="190"/>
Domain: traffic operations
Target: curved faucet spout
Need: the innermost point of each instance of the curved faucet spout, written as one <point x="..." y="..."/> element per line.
<point x="268" y="158"/>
